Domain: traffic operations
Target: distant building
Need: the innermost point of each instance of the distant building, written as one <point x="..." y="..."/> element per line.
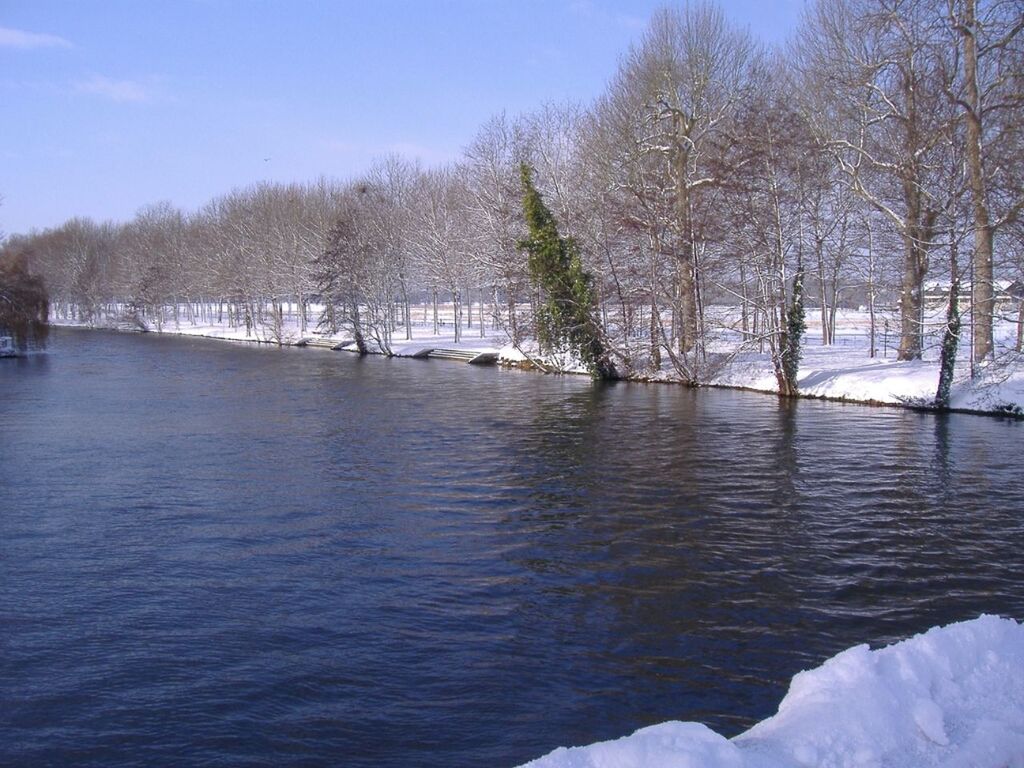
<point x="1007" y="293"/>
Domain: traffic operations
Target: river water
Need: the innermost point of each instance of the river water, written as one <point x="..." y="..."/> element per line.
<point x="216" y="554"/>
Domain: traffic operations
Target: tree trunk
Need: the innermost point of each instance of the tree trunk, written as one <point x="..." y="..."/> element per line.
<point x="982" y="299"/>
<point x="916" y="238"/>
<point x="1020" y="327"/>
<point x="826" y="337"/>
<point x="513" y="326"/>
<point x="655" y="336"/>
<point x="357" y="330"/>
<point x="950" y="336"/>
<point x="871" y="294"/>
<point x="457" y="313"/>
<point x="744" y="303"/>
<point x="917" y="235"/>
<point x="687" y="283"/>
<point x="406" y="311"/>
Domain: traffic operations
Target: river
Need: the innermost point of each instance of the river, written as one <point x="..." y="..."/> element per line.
<point x="219" y="554"/>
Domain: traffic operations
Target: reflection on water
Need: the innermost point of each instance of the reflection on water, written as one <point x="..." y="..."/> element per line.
<point x="234" y="555"/>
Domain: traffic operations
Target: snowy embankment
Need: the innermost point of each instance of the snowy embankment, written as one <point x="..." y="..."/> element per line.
<point x="842" y="371"/>
<point x="847" y="373"/>
<point x="953" y="696"/>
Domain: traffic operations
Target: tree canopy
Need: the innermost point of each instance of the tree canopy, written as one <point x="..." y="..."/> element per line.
<point x="24" y="303"/>
<point x="878" y="155"/>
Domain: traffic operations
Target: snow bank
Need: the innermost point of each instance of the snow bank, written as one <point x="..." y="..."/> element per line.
<point x="842" y="371"/>
<point x="952" y="697"/>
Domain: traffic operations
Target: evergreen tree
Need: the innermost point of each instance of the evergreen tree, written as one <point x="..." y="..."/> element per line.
<point x="565" y="318"/>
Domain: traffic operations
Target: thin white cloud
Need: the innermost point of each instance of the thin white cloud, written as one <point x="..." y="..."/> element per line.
<point x="26" y="41"/>
<point x="115" y="90"/>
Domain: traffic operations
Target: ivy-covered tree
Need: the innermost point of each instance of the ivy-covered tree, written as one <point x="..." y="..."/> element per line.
<point x="566" y="317"/>
<point x="950" y="342"/>
<point x="24" y="303"/>
<point x="796" y="325"/>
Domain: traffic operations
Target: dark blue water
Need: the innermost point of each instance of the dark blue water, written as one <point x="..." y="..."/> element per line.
<point x="227" y="555"/>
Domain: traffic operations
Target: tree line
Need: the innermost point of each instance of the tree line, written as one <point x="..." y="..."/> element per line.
<point x="713" y="189"/>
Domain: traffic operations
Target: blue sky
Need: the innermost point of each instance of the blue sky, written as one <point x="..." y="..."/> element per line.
<point x="108" y="106"/>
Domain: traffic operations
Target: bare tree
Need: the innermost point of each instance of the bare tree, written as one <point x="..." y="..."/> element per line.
<point x="678" y="93"/>
<point x="440" y="238"/>
<point x="494" y="211"/>
<point x="871" y="89"/>
<point x="987" y="91"/>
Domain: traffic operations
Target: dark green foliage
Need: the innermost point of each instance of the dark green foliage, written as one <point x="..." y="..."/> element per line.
<point x="24" y="303"/>
<point x="795" y="327"/>
<point x="565" y="318"/>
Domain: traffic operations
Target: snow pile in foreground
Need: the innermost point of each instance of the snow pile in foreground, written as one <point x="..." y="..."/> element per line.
<point x="952" y="697"/>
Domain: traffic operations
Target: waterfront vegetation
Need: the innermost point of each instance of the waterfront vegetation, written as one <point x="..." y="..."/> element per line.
<point x="24" y="303"/>
<point x="878" y="157"/>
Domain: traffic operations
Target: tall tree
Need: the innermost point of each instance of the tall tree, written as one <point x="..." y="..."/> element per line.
<point x="987" y="92"/>
<point x="495" y="214"/>
<point x="873" y="92"/>
<point x="566" y="317"/>
<point x="677" y="93"/>
<point x="439" y="236"/>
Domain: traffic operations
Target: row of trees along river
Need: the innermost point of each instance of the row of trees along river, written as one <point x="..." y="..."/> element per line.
<point x="879" y="149"/>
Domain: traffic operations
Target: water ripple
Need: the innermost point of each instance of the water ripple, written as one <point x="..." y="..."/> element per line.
<point x="220" y="555"/>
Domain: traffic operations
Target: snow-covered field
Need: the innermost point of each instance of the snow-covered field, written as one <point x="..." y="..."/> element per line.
<point x="952" y="697"/>
<point x="843" y="371"/>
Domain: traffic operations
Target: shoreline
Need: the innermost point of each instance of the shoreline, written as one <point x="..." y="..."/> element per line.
<point x="948" y="694"/>
<point x="414" y="349"/>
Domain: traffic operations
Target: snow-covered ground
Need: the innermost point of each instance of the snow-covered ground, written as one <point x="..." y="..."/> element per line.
<point x="952" y="697"/>
<point x="845" y="371"/>
<point x="841" y="371"/>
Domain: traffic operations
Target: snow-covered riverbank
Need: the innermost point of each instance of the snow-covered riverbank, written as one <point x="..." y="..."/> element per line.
<point x="841" y="371"/>
<point x="953" y="696"/>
